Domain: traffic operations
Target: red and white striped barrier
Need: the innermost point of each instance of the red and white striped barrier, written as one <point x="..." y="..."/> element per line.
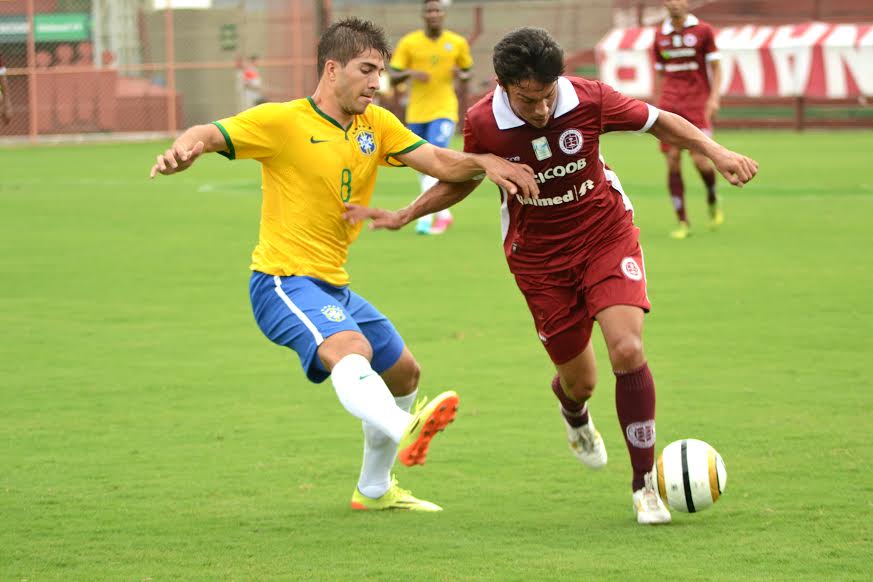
<point x="812" y="59"/>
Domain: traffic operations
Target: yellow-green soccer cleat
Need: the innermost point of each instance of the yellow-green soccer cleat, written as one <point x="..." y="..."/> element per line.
<point x="394" y="498"/>
<point x="716" y="216"/>
<point x="427" y="420"/>
<point x="682" y="232"/>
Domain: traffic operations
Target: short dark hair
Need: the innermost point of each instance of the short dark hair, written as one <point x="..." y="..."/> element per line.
<point x="346" y="39"/>
<point x="528" y="54"/>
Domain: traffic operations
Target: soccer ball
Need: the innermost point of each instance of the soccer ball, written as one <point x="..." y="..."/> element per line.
<point x="691" y="475"/>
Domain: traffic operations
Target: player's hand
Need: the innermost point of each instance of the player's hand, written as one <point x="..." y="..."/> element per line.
<point x="512" y="177"/>
<point x="176" y="159"/>
<point x="736" y="168"/>
<point x="712" y="108"/>
<point x="379" y="218"/>
<point x="422" y="76"/>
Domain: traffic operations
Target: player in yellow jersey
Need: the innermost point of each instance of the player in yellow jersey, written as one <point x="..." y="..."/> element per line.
<point x="431" y="59"/>
<point x="318" y="154"/>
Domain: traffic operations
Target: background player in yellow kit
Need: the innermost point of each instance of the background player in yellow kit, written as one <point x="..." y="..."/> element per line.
<point x="316" y="155"/>
<point x="431" y="59"/>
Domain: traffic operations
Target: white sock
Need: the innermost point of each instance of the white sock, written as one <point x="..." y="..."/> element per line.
<point x="364" y="394"/>
<point x="426" y="181"/>
<point x="444" y="214"/>
<point x="406" y="402"/>
<point x="379" y="455"/>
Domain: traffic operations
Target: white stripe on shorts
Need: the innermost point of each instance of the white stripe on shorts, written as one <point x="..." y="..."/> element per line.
<point x="296" y="311"/>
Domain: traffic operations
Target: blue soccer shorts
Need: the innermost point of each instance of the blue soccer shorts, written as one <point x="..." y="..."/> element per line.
<point x="300" y="312"/>
<point x="438" y="132"/>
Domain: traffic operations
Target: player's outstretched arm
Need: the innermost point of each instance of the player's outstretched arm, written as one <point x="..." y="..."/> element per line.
<point x="187" y="148"/>
<point x="451" y="166"/>
<point x="674" y="130"/>
<point x="438" y="197"/>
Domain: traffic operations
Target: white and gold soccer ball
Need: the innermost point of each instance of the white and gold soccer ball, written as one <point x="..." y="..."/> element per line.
<point x="691" y="475"/>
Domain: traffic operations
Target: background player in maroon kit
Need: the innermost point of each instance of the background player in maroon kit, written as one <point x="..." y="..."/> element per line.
<point x="5" y="99"/>
<point x="684" y="53"/>
<point x="574" y="249"/>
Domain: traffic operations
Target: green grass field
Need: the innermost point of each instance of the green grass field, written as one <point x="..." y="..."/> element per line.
<point x="150" y="432"/>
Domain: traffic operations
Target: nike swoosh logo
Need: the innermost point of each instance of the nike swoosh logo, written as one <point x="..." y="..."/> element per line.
<point x="313" y="140"/>
<point x="366" y="376"/>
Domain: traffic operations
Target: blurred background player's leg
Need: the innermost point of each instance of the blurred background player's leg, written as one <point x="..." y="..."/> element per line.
<point x="707" y="174"/>
<point x="676" y="187"/>
<point x="438" y="132"/>
<point x="425" y="223"/>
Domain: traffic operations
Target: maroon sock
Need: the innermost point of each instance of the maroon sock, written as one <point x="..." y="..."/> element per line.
<point x="708" y="176"/>
<point x="635" y="404"/>
<point x="575" y="413"/>
<point x="677" y="194"/>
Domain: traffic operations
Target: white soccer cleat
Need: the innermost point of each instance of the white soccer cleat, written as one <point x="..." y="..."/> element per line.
<point x="648" y="505"/>
<point x="586" y="443"/>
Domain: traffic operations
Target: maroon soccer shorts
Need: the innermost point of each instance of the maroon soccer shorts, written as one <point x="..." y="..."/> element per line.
<point x="564" y="303"/>
<point x="695" y="115"/>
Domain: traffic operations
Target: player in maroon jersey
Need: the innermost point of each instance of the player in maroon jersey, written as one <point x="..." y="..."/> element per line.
<point x="5" y="99"/>
<point x="574" y="249"/>
<point x="685" y="52"/>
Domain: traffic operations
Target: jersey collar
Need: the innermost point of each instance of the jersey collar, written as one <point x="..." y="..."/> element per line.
<point x="506" y="118"/>
<point x="690" y="20"/>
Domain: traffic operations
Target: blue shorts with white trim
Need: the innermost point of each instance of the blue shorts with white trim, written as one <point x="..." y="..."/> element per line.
<point x="300" y="312"/>
<point x="438" y="132"/>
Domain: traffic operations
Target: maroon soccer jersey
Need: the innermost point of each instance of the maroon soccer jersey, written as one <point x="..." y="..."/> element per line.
<point x="581" y="204"/>
<point x="682" y="55"/>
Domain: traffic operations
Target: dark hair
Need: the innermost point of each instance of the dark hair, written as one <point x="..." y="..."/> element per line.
<point x="528" y="54"/>
<point x="346" y="39"/>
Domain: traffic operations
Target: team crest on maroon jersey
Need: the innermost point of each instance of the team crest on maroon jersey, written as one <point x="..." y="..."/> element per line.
<point x="570" y="141"/>
<point x="689" y="39"/>
<point x="631" y="269"/>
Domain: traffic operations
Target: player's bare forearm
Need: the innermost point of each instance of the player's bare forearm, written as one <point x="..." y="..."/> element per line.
<point x="451" y="166"/>
<point x="714" y="102"/>
<point x="397" y="76"/>
<point x="187" y="148"/>
<point x="715" y="89"/>
<point x="209" y="134"/>
<point x="439" y="197"/>
<point x="674" y="130"/>
<point x="659" y="84"/>
<point x="400" y="75"/>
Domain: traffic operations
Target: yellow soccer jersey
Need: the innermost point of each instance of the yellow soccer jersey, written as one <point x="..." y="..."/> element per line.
<point x="310" y="166"/>
<point x="434" y="99"/>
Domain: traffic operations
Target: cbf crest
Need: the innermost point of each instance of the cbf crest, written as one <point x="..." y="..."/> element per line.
<point x="366" y="141"/>
<point x="333" y="313"/>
